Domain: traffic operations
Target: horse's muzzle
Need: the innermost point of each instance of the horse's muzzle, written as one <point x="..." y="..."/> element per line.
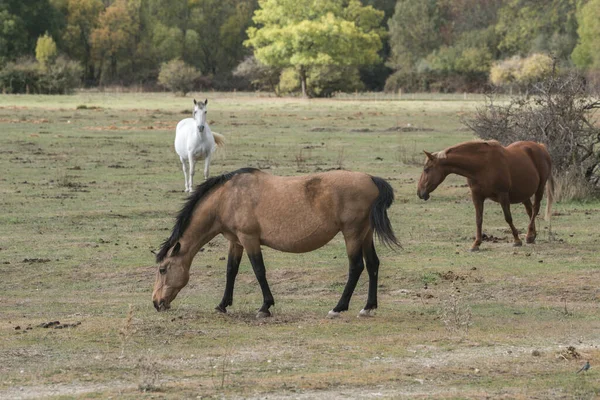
<point x="423" y="196"/>
<point x="162" y="306"/>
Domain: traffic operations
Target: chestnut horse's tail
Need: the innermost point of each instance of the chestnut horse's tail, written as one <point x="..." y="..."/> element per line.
<point x="549" y="197"/>
<point x="379" y="218"/>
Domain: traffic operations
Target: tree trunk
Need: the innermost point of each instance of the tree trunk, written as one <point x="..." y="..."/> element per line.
<point x="303" y="81"/>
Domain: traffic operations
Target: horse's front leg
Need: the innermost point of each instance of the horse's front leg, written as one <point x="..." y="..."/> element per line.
<point x="192" y="161"/>
<point x="356" y="266"/>
<point x="233" y="265"/>
<point x="185" y="174"/>
<point x="258" y="265"/>
<point x="478" y="203"/>
<point x="505" y="203"/>
<point x="207" y="166"/>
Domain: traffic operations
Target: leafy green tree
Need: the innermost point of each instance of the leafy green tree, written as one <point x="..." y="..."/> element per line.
<point x="414" y="32"/>
<point x="21" y="23"/>
<point x="114" y="40"/>
<point x="81" y="20"/>
<point x="587" y="52"/>
<point x="305" y="34"/>
<point x="530" y="25"/>
<point x="45" y="50"/>
<point x="207" y="34"/>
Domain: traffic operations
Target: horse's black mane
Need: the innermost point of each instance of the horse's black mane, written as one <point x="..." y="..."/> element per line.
<point x="185" y="214"/>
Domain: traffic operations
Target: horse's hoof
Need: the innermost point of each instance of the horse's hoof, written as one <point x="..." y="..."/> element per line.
<point x="366" y="313"/>
<point x="474" y="249"/>
<point x="263" y="314"/>
<point x="517" y="244"/>
<point x="333" y="314"/>
<point x="221" y="309"/>
<point x="530" y="240"/>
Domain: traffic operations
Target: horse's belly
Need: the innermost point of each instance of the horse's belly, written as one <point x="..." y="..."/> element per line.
<point x="298" y="242"/>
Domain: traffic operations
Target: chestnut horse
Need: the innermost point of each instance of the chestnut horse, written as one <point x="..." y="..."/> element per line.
<point x="507" y="175"/>
<point x="251" y="208"/>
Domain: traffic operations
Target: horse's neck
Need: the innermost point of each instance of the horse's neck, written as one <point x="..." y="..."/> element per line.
<point x="202" y="229"/>
<point x="463" y="163"/>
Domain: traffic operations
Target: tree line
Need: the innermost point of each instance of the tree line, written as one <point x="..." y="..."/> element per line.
<point x="308" y="46"/>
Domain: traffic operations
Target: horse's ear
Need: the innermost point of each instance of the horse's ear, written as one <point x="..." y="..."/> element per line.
<point x="195" y="102"/>
<point x="176" y="249"/>
<point x="205" y="101"/>
<point x="153" y="252"/>
<point x="429" y="155"/>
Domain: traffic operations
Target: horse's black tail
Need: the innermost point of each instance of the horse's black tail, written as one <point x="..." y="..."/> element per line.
<point x="379" y="218"/>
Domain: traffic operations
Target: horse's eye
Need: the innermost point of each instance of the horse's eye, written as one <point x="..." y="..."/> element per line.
<point x="426" y="170"/>
<point x="162" y="270"/>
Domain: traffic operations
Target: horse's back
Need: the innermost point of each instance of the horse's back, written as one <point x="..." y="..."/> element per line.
<point x="534" y="152"/>
<point x="300" y="213"/>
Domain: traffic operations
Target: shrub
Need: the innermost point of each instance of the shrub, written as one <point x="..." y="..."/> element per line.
<point x="262" y="77"/>
<point x="28" y="76"/>
<point x="560" y="115"/>
<point x="178" y="77"/>
<point x="22" y="76"/>
<point x="522" y="72"/>
<point x="61" y="77"/>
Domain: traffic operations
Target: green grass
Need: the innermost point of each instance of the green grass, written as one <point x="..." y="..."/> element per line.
<point x="87" y="192"/>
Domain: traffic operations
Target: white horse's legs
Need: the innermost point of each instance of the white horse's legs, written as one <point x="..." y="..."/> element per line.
<point x="207" y="166"/>
<point x="185" y="174"/>
<point x="192" y="161"/>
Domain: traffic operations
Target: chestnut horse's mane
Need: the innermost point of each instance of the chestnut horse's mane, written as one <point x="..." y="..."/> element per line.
<point x="185" y="214"/>
<point x="443" y="154"/>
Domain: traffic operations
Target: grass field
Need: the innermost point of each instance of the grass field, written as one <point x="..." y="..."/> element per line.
<point x="90" y="184"/>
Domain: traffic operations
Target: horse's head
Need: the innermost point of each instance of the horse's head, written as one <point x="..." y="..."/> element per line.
<point x="172" y="275"/>
<point x="433" y="174"/>
<point x="200" y="110"/>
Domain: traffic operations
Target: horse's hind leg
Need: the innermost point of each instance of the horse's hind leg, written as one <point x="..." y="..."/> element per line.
<point x="233" y="265"/>
<point x="355" y="258"/>
<point x="505" y="203"/>
<point x="478" y="203"/>
<point x="372" y="262"/>
<point x="531" y="233"/>
<point x="537" y="201"/>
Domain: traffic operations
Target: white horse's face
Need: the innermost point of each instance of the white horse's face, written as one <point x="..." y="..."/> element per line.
<point x="200" y="110"/>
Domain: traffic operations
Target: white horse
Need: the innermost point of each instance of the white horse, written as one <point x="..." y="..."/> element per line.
<point x="195" y="140"/>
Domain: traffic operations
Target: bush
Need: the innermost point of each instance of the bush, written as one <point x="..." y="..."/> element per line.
<point x="560" y="115"/>
<point x="178" y="77"/>
<point x="522" y="72"/>
<point x="22" y="76"/>
<point x="262" y="77"/>
<point x="28" y="76"/>
<point x="61" y="77"/>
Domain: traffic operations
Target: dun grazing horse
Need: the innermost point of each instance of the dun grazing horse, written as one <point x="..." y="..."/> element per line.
<point x="507" y="175"/>
<point x="251" y="208"/>
<point x="195" y="140"/>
